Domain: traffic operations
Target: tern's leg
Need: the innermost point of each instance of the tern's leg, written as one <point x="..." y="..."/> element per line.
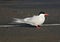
<point x="38" y="27"/>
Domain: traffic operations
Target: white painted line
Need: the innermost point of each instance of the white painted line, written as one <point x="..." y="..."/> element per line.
<point x="50" y="25"/>
<point x="20" y="25"/>
<point x="7" y="26"/>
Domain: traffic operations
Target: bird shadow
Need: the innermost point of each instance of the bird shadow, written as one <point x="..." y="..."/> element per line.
<point x="26" y="25"/>
<point x="21" y="25"/>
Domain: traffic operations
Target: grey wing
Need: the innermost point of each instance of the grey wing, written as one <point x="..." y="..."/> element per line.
<point x="29" y="21"/>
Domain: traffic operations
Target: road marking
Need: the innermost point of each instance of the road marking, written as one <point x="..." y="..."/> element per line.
<point x="20" y="25"/>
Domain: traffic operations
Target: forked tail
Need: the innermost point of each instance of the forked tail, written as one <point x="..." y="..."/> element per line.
<point x="16" y="20"/>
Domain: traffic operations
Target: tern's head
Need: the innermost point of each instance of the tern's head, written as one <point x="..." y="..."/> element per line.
<point x="43" y="14"/>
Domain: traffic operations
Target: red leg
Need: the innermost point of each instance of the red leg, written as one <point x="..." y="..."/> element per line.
<point x="38" y="27"/>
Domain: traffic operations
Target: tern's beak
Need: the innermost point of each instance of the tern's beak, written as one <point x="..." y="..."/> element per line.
<point x="46" y="14"/>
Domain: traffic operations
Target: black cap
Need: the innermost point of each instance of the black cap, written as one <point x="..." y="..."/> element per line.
<point x="41" y="12"/>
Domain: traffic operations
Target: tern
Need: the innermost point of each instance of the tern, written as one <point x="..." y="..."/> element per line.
<point x="35" y="20"/>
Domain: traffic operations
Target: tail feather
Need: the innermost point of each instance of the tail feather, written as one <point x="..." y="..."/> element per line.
<point x="16" y="20"/>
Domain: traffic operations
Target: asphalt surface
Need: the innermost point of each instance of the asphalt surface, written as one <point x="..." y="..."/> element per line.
<point x="30" y="34"/>
<point x="10" y="10"/>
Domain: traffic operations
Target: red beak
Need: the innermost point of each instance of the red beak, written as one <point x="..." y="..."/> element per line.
<point x="46" y="14"/>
